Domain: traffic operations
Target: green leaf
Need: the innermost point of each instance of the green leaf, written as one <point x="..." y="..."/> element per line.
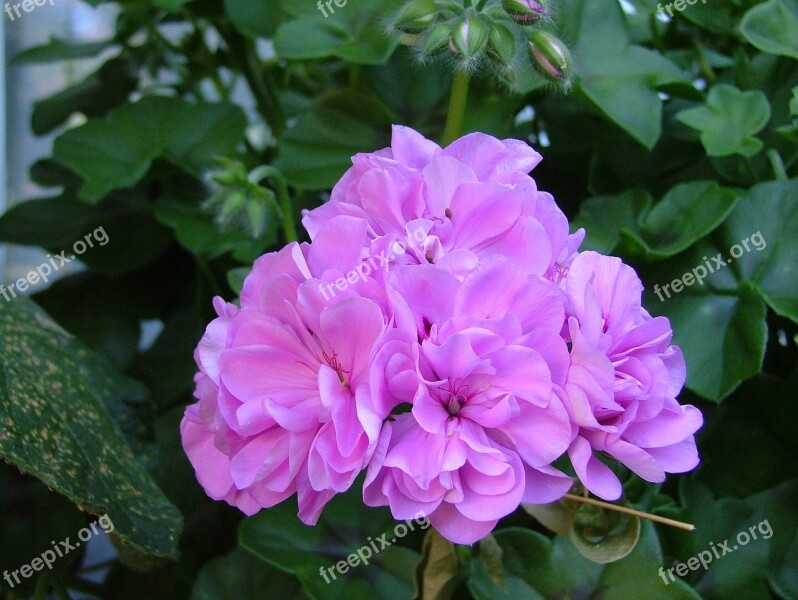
<point x="729" y="120"/>
<point x="751" y="428"/>
<point x="687" y="213"/>
<point x="318" y="149"/>
<point x="123" y="232"/>
<point x="235" y="278"/>
<point x="620" y="78"/>
<point x="353" y="32"/>
<point x="717" y="16"/>
<point x="57" y="50"/>
<point x="537" y="568"/>
<point x="719" y="321"/>
<point x="106" y="322"/>
<point x="168" y="367"/>
<point x="490" y="555"/>
<point x="436" y="573"/>
<point x="256" y="18"/>
<point x="772" y="28"/>
<point x="116" y="151"/>
<point x="56" y="426"/>
<point x="604" y="217"/>
<point x="277" y="536"/>
<point x="241" y="576"/>
<point x="750" y="565"/>
<point x="771" y="261"/>
<point x="106" y="88"/>
<point x="723" y="337"/>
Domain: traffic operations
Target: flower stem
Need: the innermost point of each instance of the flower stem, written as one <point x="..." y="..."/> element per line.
<point x="286" y="207"/>
<point x="778" y="166"/>
<point x="457" y="107"/>
<point x="631" y="511"/>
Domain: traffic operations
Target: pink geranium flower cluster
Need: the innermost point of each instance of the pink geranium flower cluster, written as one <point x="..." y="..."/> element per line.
<point x="442" y="333"/>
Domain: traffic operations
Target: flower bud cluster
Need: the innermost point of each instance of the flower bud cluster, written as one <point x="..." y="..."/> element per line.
<point x="488" y="32"/>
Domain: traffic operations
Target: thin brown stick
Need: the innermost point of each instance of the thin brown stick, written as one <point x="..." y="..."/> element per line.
<point x="631" y="511"/>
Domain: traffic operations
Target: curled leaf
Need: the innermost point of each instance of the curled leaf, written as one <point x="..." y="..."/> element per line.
<point x="603" y="535"/>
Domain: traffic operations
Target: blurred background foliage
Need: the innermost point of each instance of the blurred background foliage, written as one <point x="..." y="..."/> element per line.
<point x="677" y="140"/>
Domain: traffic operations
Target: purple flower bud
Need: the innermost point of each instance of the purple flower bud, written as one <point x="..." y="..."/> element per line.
<point x="550" y="57"/>
<point x="525" y="12"/>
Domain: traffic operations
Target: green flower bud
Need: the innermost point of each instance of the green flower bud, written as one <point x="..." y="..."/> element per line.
<point x="502" y="44"/>
<point x="525" y="12"/>
<point x="437" y="39"/>
<point x="231" y="172"/>
<point x="550" y="57"/>
<point x="231" y="206"/>
<point x="416" y="16"/>
<point x="470" y="37"/>
<point x="257" y="215"/>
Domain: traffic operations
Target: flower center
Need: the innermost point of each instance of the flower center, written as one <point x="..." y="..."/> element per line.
<point x="454" y="404"/>
<point x="336" y="366"/>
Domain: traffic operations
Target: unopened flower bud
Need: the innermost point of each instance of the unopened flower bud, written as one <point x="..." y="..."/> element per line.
<point x="470" y="37"/>
<point x="231" y="205"/>
<point x="502" y="44"/>
<point x="416" y="16"/>
<point x="257" y="215"/>
<point x="550" y="57"/>
<point x="437" y="39"/>
<point x="525" y="12"/>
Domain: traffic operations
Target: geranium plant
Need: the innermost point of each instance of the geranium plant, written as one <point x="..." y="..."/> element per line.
<point x="433" y="299"/>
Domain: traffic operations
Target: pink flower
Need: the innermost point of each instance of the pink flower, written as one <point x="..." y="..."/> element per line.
<point x="623" y="380"/>
<point x="486" y="421"/>
<point x="456" y="205"/>
<point x="443" y="333"/>
<point x="284" y="383"/>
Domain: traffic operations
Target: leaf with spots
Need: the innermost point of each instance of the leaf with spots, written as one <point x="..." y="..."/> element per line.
<point x="56" y="424"/>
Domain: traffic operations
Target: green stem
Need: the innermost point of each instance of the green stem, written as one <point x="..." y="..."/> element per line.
<point x="777" y="164"/>
<point x="206" y="271"/>
<point x="286" y="207"/>
<point x="653" y="25"/>
<point x="242" y="52"/>
<point x="457" y="107"/>
<point x="704" y="65"/>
